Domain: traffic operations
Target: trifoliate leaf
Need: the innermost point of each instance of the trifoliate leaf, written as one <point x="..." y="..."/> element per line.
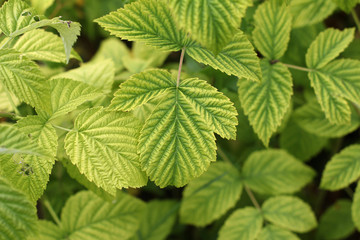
<point x="327" y="46"/>
<point x="342" y="169"/>
<point x="311" y="118"/>
<point x="67" y="95"/>
<point x="17" y="214"/>
<point x="23" y="78"/>
<point x="103" y="145"/>
<point x="271" y="232"/>
<point x="238" y="58"/>
<point x="355" y="208"/>
<point x="272" y="29"/>
<point x="211" y="195"/>
<point x="290" y="213"/>
<point x="147" y="21"/>
<point x="243" y="224"/>
<point x="211" y="22"/>
<point x="46" y="230"/>
<point x="266" y="103"/>
<point x="275" y="172"/>
<point x="336" y="109"/>
<point x="336" y="222"/>
<point x="86" y="216"/>
<point x="308" y="12"/>
<point x="157" y="220"/>
<point x="347" y="5"/>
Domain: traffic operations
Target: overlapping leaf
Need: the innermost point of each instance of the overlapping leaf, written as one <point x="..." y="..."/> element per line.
<point x="342" y="169"/>
<point x="47" y="230"/>
<point x="103" y="146"/>
<point x="355" y="208"/>
<point x="267" y="102"/>
<point x="271" y="232"/>
<point x="272" y="29"/>
<point x="211" y="195"/>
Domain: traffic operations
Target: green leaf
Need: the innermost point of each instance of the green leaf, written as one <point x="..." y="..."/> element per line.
<point x="211" y="195"/>
<point x="41" y="5"/>
<point x="103" y="145"/>
<point x="275" y="172"/>
<point x="23" y="78"/>
<point x="336" y="222"/>
<point x="272" y="29"/>
<point x="266" y="103"/>
<point x="211" y="22"/>
<point x="17" y="214"/>
<point x="46" y="230"/>
<point x="355" y="208"/>
<point x="243" y="224"/>
<point x="238" y="58"/>
<point x="41" y="45"/>
<point x="86" y="216"/>
<point x="342" y="169"/>
<point x="336" y="109"/>
<point x="311" y="118"/>
<point x="290" y="213"/>
<point x="347" y="5"/>
<point x="271" y="232"/>
<point x="147" y="21"/>
<point x="308" y="12"/>
<point x="327" y="46"/>
<point x="67" y="95"/>
<point x="140" y="88"/>
<point x="157" y="221"/>
<point x="5" y="104"/>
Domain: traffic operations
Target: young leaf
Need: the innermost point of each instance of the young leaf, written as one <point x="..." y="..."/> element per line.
<point x="355" y="208"/>
<point x="23" y="77"/>
<point x="272" y="29"/>
<point x="336" y="222"/>
<point x="103" y="145"/>
<point x="243" y="224"/>
<point x="17" y="214"/>
<point x="327" y="46"/>
<point x="211" y="22"/>
<point x="238" y="58"/>
<point x="347" y="5"/>
<point x="336" y="109"/>
<point x="308" y="12"/>
<point x="211" y="195"/>
<point x="272" y="232"/>
<point x="275" y="172"/>
<point x="147" y="21"/>
<point x="290" y="213"/>
<point x="311" y="118"/>
<point x="342" y="169"/>
<point x="267" y="102"/>
<point x="157" y="221"/>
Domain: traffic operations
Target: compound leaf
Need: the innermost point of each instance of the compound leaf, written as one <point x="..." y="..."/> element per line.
<point x="211" y="195"/>
<point x="272" y="232"/>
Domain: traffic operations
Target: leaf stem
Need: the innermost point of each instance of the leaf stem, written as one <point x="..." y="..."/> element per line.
<point x="51" y="211"/>
<point x="252" y="197"/>
<point x="349" y="192"/>
<point x="356" y="18"/>
<point x="9" y="115"/>
<point x="298" y="67"/>
<point x="61" y="128"/>
<point x="180" y="67"/>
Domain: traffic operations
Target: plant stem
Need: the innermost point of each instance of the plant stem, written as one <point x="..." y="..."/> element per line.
<point x="9" y="115"/>
<point x="349" y="192"/>
<point x="51" y="211"/>
<point x="356" y="18"/>
<point x="252" y="197"/>
<point x="61" y="128"/>
<point x="180" y="67"/>
<point x="298" y="67"/>
<point x="223" y="155"/>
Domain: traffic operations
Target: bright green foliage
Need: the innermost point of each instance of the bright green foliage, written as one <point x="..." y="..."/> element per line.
<point x="157" y="220"/>
<point x="5" y="104"/>
<point x="312" y="119"/>
<point x="347" y="5"/>
<point x="67" y="95"/>
<point x="41" y="5"/>
<point x="300" y="143"/>
<point x="275" y="172"/>
<point x="243" y="224"/>
<point x="266" y="103"/>
<point x="355" y="208"/>
<point x="23" y="78"/>
<point x="211" y="22"/>
<point x="271" y="232"/>
<point x="47" y="231"/>
<point x="336" y="222"/>
<point x="17" y="214"/>
<point x="307" y="12"/>
<point x="238" y="58"/>
<point x="342" y="169"/>
<point x="103" y="147"/>
<point x="272" y="31"/>
<point x="327" y="46"/>
<point x="211" y="195"/>
<point x="148" y="21"/>
<point x="290" y="213"/>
